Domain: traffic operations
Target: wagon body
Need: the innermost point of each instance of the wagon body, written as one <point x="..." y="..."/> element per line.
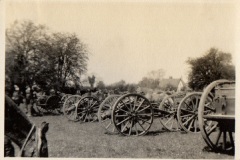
<point x="217" y="115"/>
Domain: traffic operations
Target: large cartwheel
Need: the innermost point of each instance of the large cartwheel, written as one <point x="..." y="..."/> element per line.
<point x="105" y="111"/>
<point x="69" y="107"/>
<point x="87" y="108"/>
<point x="187" y="113"/>
<point x="132" y="114"/>
<point x="168" y="107"/>
<point x="217" y="115"/>
<point x="63" y="99"/>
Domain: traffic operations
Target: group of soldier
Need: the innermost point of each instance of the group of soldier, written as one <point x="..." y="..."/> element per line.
<point x="28" y="98"/>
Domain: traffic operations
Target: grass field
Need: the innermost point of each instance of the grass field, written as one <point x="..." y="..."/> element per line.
<point x="89" y="140"/>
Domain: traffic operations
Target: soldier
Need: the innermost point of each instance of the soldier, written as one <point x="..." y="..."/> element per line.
<point x="29" y="100"/>
<point x="16" y="95"/>
<point x="52" y="92"/>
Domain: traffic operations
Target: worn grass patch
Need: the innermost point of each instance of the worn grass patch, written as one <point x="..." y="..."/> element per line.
<point x="89" y="140"/>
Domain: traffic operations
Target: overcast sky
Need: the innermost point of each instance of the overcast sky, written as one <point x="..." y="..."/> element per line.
<point x="128" y="40"/>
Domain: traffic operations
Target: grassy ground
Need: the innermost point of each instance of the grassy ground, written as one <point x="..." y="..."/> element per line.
<point x="89" y="140"/>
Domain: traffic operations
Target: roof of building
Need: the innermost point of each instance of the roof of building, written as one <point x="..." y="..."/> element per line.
<point x="170" y="81"/>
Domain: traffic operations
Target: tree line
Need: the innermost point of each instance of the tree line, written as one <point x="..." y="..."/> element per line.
<point x="58" y="60"/>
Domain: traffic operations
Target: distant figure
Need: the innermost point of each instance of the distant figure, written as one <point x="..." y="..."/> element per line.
<point x="16" y="95"/>
<point x="52" y="92"/>
<point x="29" y="100"/>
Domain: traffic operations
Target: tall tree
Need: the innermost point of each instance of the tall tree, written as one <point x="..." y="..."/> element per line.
<point x="212" y="66"/>
<point x="152" y="79"/>
<point x="68" y="58"/>
<point x="50" y="59"/>
<point x="22" y="41"/>
<point x="101" y="85"/>
<point x="156" y="74"/>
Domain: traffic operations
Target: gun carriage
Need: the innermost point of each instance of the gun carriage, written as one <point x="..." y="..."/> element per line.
<point x="49" y="104"/>
<point x="216" y="115"/>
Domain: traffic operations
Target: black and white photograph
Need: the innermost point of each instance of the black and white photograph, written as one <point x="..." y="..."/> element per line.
<point x="130" y="79"/>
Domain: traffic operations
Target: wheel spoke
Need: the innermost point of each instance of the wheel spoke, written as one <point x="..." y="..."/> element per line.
<point x="212" y="130"/>
<point x="88" y="102"/>
<point x="93" y="105"/>
<point x="191" y="123"/>
<point x="144" y="109"/>
<point x="186" y="115"/>
<point x="231" y="138"/>
<point x="140" y="105"/>
<point x="108" y="125"/>
<point x="141" y="126"/>
<point x="81" y="117"/>
<point x="192" y="106"/>
<point x="188" y="120"/>
<point x="218" y="137"/>
<point x="130" y="129"/>
<point x="130" y="104"/>
<point x="195" y="125"/>
<point x="85" y="118"/>
<point x="135" y="102"/>
<point x="149" y="115"/>
<point x="93" y="116"/>
<point x="124" y="104"/>
<point x="187" y="111"/>
<point x="171" y="126"/>
<point x="187" y="105"/>
<point x="136" y="130"/>
<point x="125" y="126"/>
<point x="144" y="120"/>
<point x="169" y="120"/>
<point x="121" y="115"/>
<point x="113" y="130"/>
<point x="102" y="121"/>
<point x="210" y="108"/>
<point x="123" y="120"/>
<point x="197" y="102"/>
<point x="121" y="110"/>
<point x="224" y="140"/>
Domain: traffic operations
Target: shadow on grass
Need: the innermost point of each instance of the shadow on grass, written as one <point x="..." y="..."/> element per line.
<point x="155" y="133"/>
<point x="219" y="150"/>
<point x="149" y="133"/>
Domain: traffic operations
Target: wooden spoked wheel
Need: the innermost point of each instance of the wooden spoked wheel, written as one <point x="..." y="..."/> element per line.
<point x="69" y="107"/>
<point x="66" y="96"/>
<point x="132" y="114"/>
<point x="168" y="106"/>
<point x="217" y="129"/>
<point x="105" y="111"/>
<point x="187" y="113"/>
<point x="87" y="109"/>
<point x="63" y="99"/>
<point x="52" y="104"/>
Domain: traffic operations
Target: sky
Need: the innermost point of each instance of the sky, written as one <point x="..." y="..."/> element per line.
<point x="128" y="39"/>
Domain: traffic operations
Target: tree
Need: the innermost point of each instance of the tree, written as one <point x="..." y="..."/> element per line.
<point x="132" y="88"/>
<point x="152" y="79"/>
<point x="212" y="66"/>
<point x="50" y="59"/>
<point x="22" y="43"/>
<point x="156" y="74"/>
<point x="68" y="58"/>
<point x="101" y="85"/>
<point x="149" y="83"/>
